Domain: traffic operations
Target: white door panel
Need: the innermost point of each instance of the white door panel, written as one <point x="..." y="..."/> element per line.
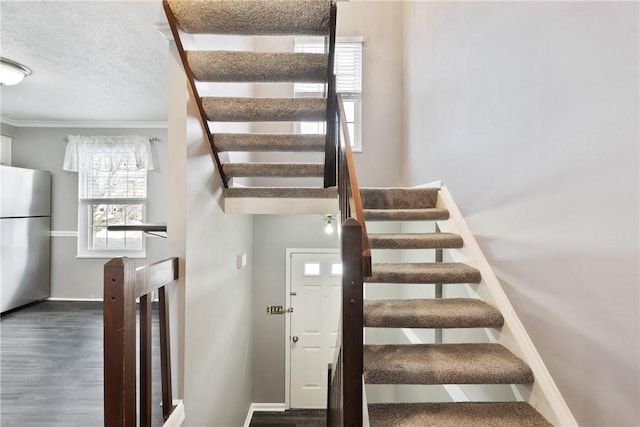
<point x="315" y="299"/>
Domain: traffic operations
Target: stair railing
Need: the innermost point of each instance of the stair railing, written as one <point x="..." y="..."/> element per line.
<point x="123" y="284"/>
<point x="345" y="388"/>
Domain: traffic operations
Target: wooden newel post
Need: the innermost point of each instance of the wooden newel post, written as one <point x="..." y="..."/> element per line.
<point x="352" y="293"/>
<point x="119" y="343"/>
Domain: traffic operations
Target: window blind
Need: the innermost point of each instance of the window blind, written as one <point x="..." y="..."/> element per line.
<point x="347" y="66"/>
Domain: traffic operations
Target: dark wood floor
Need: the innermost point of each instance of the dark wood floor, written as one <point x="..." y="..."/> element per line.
<point x="51" y="366"/>
<point x="290" y="418"/>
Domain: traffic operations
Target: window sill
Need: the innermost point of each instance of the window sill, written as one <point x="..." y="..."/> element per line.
<point x="107" y="255"/>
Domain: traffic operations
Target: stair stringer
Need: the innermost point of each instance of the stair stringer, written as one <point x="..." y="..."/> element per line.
<point x="543" y="395"/>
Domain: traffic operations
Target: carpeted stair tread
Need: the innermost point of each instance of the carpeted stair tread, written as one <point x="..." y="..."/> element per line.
<point x="399" y="198"/>
<point x="443" y="364"/>
<point x="432" y="272"/>
<point x="223" y="109"/>
<point x="431" y="313"/>
<point x="282" y="192"/>
<point x="276" y="170"/>
<point x="225" y="66"/>
<point x="268" y="142"/>
<point x="455" y="414"/>
<point x="415" y="241"/>
<point x="253" y="17"/>
<point x="429" y="214"/>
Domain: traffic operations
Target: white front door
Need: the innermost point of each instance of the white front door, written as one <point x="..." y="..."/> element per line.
<point x="315" y="298"/>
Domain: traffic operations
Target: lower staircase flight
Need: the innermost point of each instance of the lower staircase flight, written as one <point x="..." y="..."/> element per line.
<point x="459" y="363"/>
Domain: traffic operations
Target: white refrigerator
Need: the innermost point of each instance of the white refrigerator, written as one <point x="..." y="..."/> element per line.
<point x="25" y="229"/>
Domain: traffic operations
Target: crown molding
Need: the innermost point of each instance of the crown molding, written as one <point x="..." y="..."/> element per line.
<point x="83" y="124"/>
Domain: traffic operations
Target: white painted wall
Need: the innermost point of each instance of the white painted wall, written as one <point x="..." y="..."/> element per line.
<point x="43" y="148"/>
<point x="217" y="296"/>
<point x="380" y="24"/>
<point x="529" y="113"/>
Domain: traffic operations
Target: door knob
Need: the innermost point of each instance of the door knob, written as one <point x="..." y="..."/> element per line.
<point x="294" y="339"/>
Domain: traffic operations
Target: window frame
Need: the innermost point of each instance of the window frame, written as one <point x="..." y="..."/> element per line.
<point x="356" y="143"/>
<point x="85" y="221"/>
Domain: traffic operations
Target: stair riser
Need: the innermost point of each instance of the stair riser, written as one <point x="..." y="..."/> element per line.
<point x="250" y="170"/>
<point x="380" y="198"/>
<point x="408" y="215"/>
<point x="443" y="278"/>
<point x="251" y="17"/>
<point x="431" y="313"/>
<point x="462" y="414"/>
<point x="258" y="67"/>
<point x="443" y="364"/>
<point x="377" y="244"/>
<point x="269" y="143"/>
<point x="281" y="192"/>
<point x="264" y="110"/>
<point x="420" y="323"/>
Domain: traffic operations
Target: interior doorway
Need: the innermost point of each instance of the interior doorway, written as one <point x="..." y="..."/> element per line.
<point x="314" y="283"/>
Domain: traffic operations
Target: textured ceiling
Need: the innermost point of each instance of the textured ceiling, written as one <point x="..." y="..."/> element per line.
<point x="91" y="60"/>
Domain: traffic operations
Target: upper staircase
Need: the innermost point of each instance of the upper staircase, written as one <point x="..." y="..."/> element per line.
<point x="260" y="19"/>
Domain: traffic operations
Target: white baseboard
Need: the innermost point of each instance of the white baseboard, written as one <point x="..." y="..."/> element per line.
<point x="177" y="416"/>
<point x="75" y="299"/>
<point x="263" y="407"/>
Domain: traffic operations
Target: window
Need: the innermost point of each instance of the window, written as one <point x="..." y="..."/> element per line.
<point x="110" y="198"/>
<point x="348" y="70"/>
<point x="336" y="269"/>
<point x="112" y="190"/>
<point x="311" y="269"/>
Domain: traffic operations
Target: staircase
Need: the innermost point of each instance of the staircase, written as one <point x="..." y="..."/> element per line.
<point x="262" y="19"/>
<point x="437" y="363"/>
<point x="427" y="364"/>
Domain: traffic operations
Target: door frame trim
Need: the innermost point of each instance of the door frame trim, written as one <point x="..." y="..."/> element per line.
<point x="287" y="323"/>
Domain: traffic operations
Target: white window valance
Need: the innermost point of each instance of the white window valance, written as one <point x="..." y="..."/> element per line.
<point x="107" y="153"/>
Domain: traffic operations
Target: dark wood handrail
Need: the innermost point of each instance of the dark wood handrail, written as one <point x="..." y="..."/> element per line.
<point x="344" y="405"/>
<point x="123" y="283"/>
<point x="352" y="201"/>
<point x="173" y="24"/>
<point x="356" y="207"/>
<point x="154" y="276"/>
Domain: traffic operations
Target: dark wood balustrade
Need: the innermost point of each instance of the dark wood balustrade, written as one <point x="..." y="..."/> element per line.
<point x="123" y="283"/>
<point x="330" y="150"/>
<point x="345" y="389"/>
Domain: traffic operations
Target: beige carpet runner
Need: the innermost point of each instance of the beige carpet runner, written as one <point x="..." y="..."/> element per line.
<point x="460" y="363"/>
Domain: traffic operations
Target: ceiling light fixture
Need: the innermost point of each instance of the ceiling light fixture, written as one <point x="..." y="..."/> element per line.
<point x="11" y="72"/>
<point x="329" y="227"/>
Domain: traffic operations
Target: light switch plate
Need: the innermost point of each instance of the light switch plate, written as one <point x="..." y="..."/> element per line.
<point x="241" y="260"/>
